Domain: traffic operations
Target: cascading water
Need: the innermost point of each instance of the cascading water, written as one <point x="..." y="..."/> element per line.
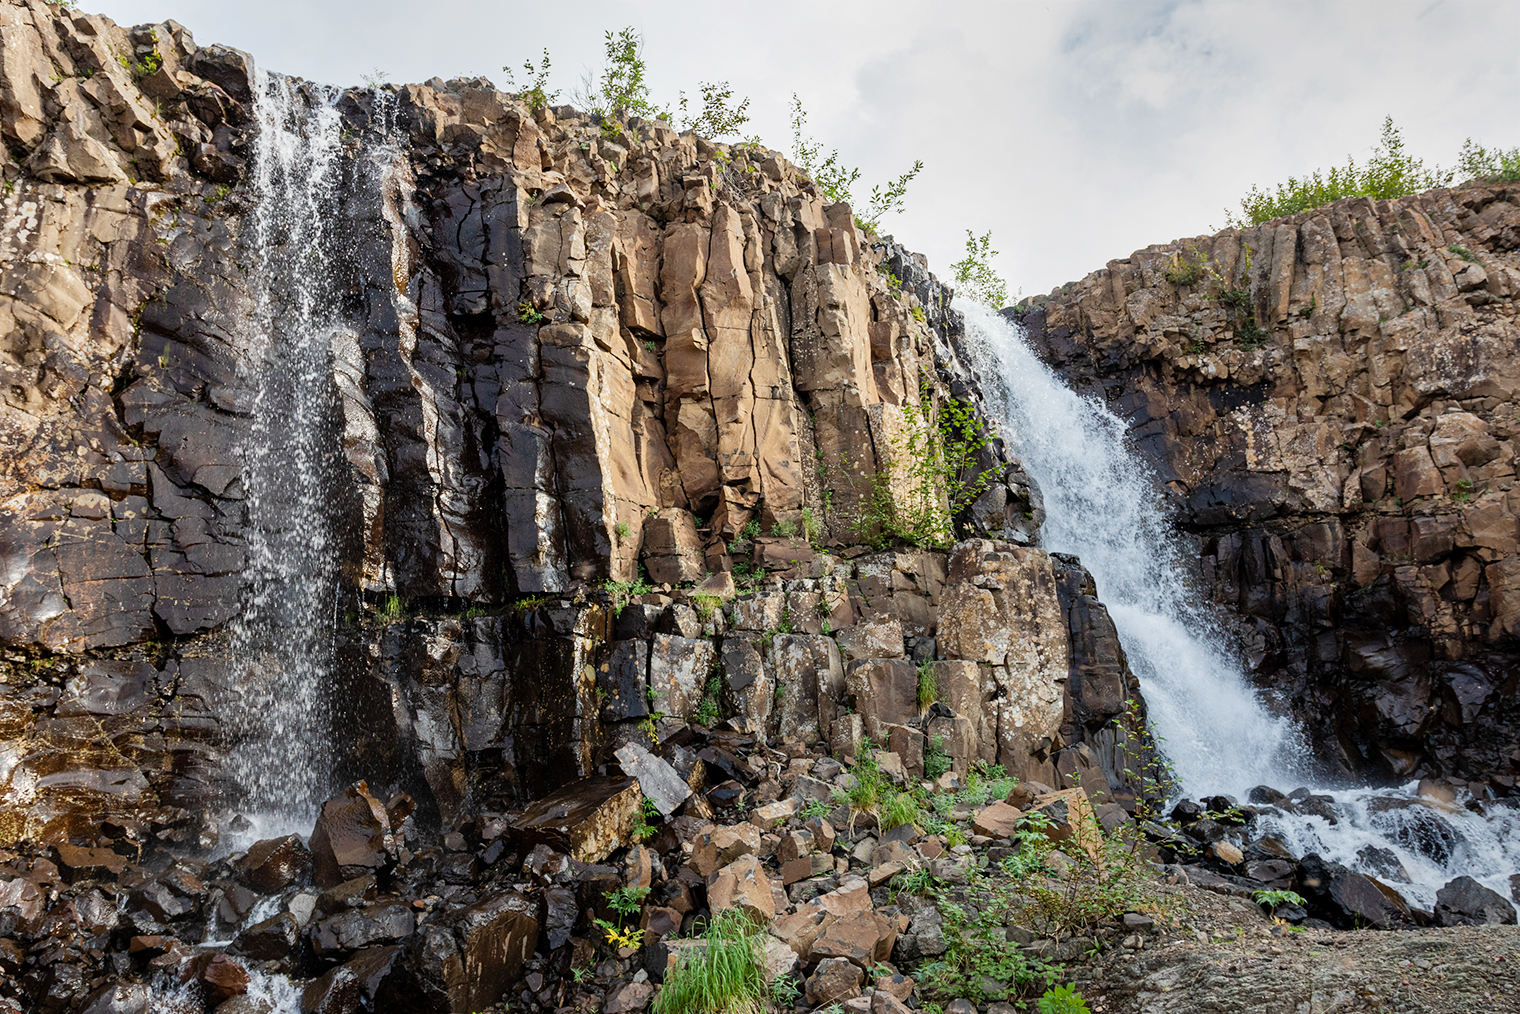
<point x="1101" y="504"/>
<point x="1105" y="506"/>
<point x="283" y="641"/>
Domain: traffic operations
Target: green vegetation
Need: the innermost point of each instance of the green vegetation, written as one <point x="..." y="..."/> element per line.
<point x="623" y="592"/>
<point x="814" y="808"/>
<point x="710" y="710"/>
<point x="1063" y="1000"/>
<point x="726" y="976"/>
<point x="1186" y="270"/>
<point x="705" y="605"/>
<point x="1390" y="172"/>
<point x="1496" y="166"/>
<point x="928" y="686"/>
<point x="1272" y="900"/>
<point x="717" y="118"/>
<point x="936" y="760"/>
<point x="974" y="277"/>
<point x="528" y="315"/>
<point x="645" y="819"/>
<point x="931" y="476"/>
<point x="392" y="609"/>
<point x="535" y="89"/>
<point x="626" y="902"/>
<point x="835" y="180"/>
<point x="623" y="531"/>
<point x="1464" y="253"/>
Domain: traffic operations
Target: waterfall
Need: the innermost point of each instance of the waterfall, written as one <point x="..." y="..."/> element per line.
<point x="1104" y="505"/>
<point x="283" y="640"/>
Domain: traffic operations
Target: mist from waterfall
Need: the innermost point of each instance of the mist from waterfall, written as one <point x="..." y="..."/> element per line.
<point x="283" y="640"/>
<point x="1104" y="505"/>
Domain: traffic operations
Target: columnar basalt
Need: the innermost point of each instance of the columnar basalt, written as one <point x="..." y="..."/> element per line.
<point x="1330" y="401"/>
<point x="561" y="351"/>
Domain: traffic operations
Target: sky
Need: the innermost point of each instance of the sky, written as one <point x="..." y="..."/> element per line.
<point x="1075" y="132"/>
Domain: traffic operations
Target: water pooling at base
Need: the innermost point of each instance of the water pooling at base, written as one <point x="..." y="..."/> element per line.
<point x="1104" y="505"/>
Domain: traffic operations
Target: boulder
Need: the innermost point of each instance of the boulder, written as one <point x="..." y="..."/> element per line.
<point x="863" y="937"/>
<point x="274" y="864"/>
<point x="465" y="961"/>
<point x="997" y="821"/>
<point x="657" y="778"/>
<point x="1346" y="899"/>
<point x="270" y="940"/>
<point x="338" y="936"/>
<point x="743" y="885"/>
<point x="1465" y="902"/>
<point x="217" y="977"/>
<point x="720" y="846"/>
<point x="834" y="981"/>
<point x="1068" y="815"/>
<point x="352" y="837"/>
<point x="586" y="819"/>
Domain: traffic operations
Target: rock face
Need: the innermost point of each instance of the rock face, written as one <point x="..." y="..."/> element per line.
<point x="578" y="352"/>
<point x="1329" y="399"/>
<point x="585" y="351"/>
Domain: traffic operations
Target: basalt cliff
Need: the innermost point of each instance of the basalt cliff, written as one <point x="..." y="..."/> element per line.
<point x="543" y="459"/>
<point x="1330" y="400"/>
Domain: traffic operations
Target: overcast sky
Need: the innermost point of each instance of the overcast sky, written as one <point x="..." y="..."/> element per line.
<point x="1076" y="132"/>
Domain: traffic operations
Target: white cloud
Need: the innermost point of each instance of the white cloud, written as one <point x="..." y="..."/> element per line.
<point x="1076" y="132"/>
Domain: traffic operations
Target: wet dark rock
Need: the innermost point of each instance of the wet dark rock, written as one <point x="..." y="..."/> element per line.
<point x="385" y="922"/>
<point x="1465" y="902"/>
<point x="274" y="864"/>
<point x="1265" y="795"/>
<point x="352" y="837"/>
<point x="466" y="960"/>
<point x="118" y="998"/>
<point x="1187" y="811"/>
<point x="217" y="976"/>
<point x="1381" y="862"/>
<point x="375" y="979"/>
<point x="1274" y="874"/>
<point x="1346" y="899"/>
<point x="355" y="893"/>
<point x="1420" y="829"/>
<point x="1206" y="830"/>
<point x="270" y="940"/>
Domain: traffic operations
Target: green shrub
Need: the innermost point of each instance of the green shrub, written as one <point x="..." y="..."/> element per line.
<point x="1496" y="166"/>
<point x="936" y="760"/>
<point x="1063" y="1000"/>
<point x="535" y="92"/>
<point x="974" y="277"/>
<point x="726" y="976"/>
<point x="931" y="475"/>
<point x="623" y="592"/>
<point x="1188" y="270"/>
<point x="928" y="686"/>
<point x="1390" y="172"/>
<point x="899" y="810"/>
<point x="835" y="180"/>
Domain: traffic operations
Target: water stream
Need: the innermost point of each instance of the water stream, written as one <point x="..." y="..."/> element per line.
<point x="1104" y="504"/>
<point x="283" y="640"/>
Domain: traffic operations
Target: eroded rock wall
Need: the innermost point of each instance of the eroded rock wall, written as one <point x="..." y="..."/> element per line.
<point x="564" y="351"/>
<point x="1329" y="399"/>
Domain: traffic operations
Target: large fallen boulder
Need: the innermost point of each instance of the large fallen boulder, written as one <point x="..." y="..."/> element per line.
<point x="352" y="837"/>
<point x="586" y="819"/>
<point x="1465" y="902"/>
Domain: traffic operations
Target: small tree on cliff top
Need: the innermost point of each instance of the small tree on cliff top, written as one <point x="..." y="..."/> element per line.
<point x="835" y="180"/>
<point x="623" y="91"/>
<point x="974" y="277"/>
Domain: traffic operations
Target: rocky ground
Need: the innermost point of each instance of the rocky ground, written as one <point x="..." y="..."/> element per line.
<point x="862" y="887"/>
<point x="1223" y="955"/>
